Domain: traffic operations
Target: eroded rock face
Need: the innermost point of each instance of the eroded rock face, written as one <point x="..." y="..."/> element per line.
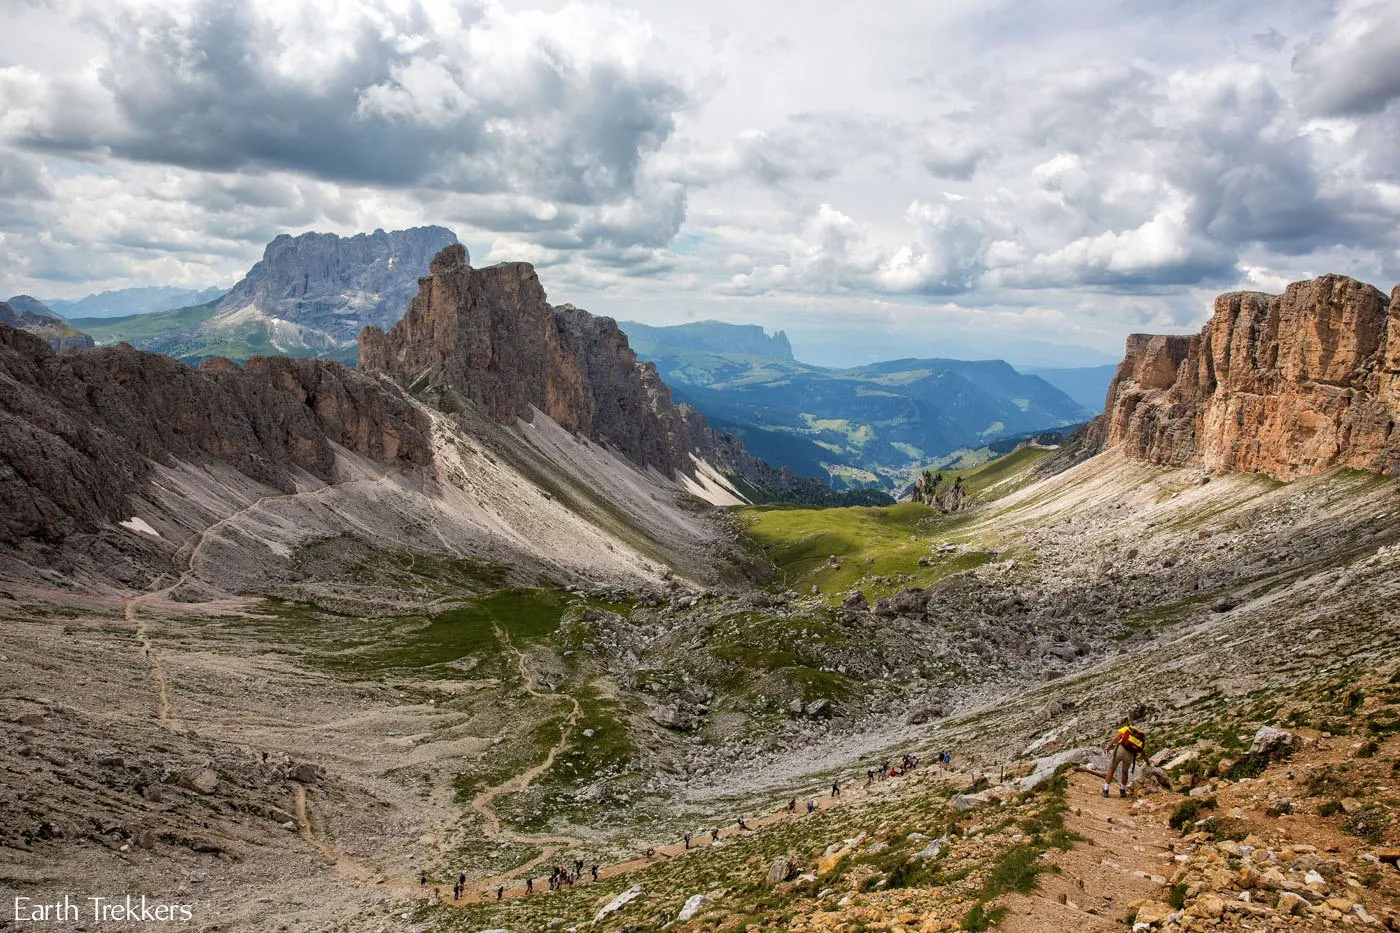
<point x="333" y="284"/>
<point x="1287" y="385"/>
<point x="78" y="432"/>
<point x="491" y="335"/>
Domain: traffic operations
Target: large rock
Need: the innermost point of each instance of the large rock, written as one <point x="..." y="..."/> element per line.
<point x="910" y="601"/>
<point x="780" y="870"/>
<point x="855" y="601"/>
<point x="669" y="717"/>
<point x="692" y="906"/>
<point x="619" y="902"/>
<point x="1271" y="742"/>
<point x="1044" y="768"/>
<point x="200" y="780"/>
<point x="1287" y="385"/>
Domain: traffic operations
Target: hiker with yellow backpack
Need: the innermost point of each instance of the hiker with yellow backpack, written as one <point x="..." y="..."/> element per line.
<point x="1128" y="743"/>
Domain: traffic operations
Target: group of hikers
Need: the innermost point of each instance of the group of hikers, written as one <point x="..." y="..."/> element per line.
<point x="906" y="764"/>
<point x="1127" y="745"/>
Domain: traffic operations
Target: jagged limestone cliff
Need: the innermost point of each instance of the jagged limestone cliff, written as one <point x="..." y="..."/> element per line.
<point x="1287" y="385"/>
<point x="491" y="336"/>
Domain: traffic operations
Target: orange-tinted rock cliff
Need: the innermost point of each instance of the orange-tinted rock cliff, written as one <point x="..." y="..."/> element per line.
<point x="1286" y="385"/>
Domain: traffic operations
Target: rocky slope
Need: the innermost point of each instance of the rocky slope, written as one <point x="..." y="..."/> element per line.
<point x="32" y="315"/>
<point x="491" y="337"/>
<point x="82" y="432"/>
<point x="123" y="466"/>
<point x="1287" y="385"/>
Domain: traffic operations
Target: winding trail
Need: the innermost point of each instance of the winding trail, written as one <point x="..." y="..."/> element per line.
<point x="152" y="658"/>
<point x="337" y="858"/>
<point x="164" y="710"/>
<point x="481" y="804"/>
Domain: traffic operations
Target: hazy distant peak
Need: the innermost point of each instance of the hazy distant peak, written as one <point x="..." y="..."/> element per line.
<point x="709" y="337"/>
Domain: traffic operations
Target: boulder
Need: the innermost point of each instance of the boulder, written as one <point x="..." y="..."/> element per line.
<point x="855" y="601"/>
<point x="692" y="906"/>
<point x="910" y="601"/>
<point x="669" y="717"/>
<point x="780" y="870"/>
<point x="1152" y="913"/>
<point x="201" y="780"/>
<point x="619" y="902"/>
<point x="1272" y="742"/>
<point x="304" y="772"/>
<point x="932" y="849"/>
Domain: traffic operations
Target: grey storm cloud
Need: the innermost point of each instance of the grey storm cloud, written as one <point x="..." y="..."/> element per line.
<point x="1353" y="66"/>
<point x="468" y="104"/>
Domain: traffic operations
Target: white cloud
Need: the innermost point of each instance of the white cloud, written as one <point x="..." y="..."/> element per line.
<point x="1069" y="168"/>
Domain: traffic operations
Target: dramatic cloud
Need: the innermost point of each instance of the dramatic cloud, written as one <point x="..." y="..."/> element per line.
<point x="999" y="173"/>
<point x="1353" y="66"/>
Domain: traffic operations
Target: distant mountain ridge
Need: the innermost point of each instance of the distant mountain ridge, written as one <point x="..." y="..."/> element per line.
<point x="708" y="337"/>
<point x="317" y="290"/>
<point x="865" y="426"/>
<point x="308" y="296"/>
<point x="123" y="302"/>
<point x="30" y="314"/>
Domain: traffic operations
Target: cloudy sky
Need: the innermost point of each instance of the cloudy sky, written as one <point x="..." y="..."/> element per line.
<point x="1026" y="179"/>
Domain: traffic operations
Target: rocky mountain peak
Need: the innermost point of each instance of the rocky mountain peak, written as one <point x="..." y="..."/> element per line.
<point x="322" y="288"/>
<point x="491" y="336"/>
<point x="1287" y="385"/>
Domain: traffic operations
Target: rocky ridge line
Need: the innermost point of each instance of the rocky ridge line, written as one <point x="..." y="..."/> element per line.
<point x="79" y="431"/>
<point x="491" y="336"/>
<point x="1288" y="385"/>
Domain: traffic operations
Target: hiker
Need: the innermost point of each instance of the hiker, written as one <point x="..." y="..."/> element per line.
<point x="714" y="835"/>
<point x="687" y="840"/>
<point x="456" y="890"/>
<point x="651" y="851"/>
<point x="811" y="805"/>
<point x="792" y="805"/>
<point x="836" y="788"/>
<point x="869" y="776"/>
<point x="595" y="872"/>
<point x="578" y="866"/>
<point x="742" y="824"/>
<point x="500" y="891"/>
<point x="529" y="885"/>
<point x="1128" y="742"/>
<point x="422" y="878"/>
<point x="462" y="880"/>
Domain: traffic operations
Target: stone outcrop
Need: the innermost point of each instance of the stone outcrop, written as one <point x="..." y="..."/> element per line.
<point x="491" y="336"/>
<point x="79" y="432"/>
<point x="331" y="286"/>
<point x="31" y="315"/>
<point x="1287" y="385"/>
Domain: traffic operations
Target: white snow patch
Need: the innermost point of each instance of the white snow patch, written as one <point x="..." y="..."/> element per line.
<point x="135" y="523"/>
